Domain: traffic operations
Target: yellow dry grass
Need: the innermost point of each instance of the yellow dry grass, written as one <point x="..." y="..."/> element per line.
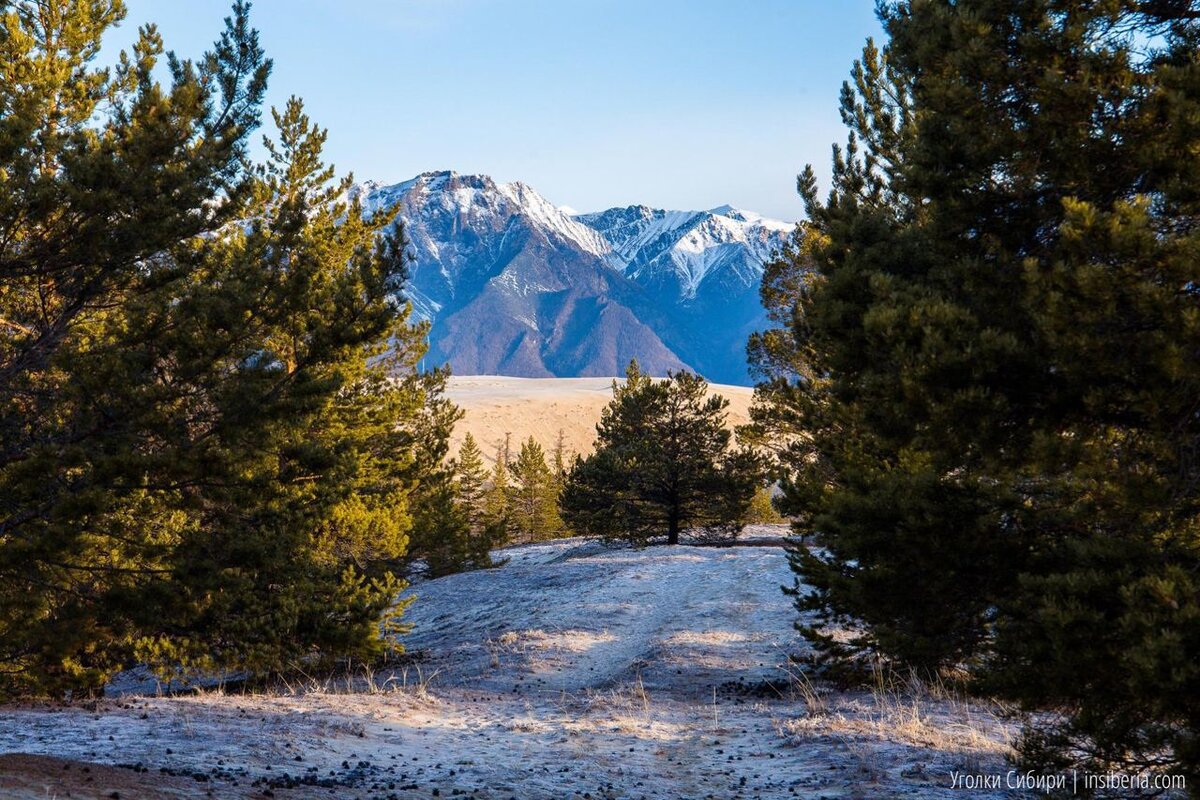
<point x="541" y="407"/>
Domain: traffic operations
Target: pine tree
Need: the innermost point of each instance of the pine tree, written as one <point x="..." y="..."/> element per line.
<point x="90" y="197"/>
<point x="496" y="500"/>
<point x="205" y="445"/>
<point x="663" y="464"/>
<point x="472" y="479"/>
<point x="985" y="379"/>
<point x="533" y="502"/>
<point x="558" y="459"/>
<point x="762" y="510"/>
<point x="443" y="535"/>
<point x="485" y="532"/>
<point x="559" y="472"/>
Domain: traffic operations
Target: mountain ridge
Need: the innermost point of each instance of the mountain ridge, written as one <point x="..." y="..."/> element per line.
<point x="514" y="285"/>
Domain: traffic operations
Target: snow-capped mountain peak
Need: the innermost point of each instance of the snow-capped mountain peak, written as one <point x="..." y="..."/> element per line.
<point x="478" y="196"/>
<point x="688" y="246"/>
<point x="543" y="212"/>
<point x="751" y="218"/>
<point x="515" y="285"/>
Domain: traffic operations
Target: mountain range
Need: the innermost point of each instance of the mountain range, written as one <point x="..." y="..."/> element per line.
<point x="514" y="285"/>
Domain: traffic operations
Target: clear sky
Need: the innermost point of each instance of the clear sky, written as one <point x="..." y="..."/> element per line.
<point x="595" y="103"/>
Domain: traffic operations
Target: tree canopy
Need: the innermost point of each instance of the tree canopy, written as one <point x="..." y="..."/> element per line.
<point x="533" y="497"/>
<point x="984" y="375"/>
<point x="663" y="465"/>
<point x="208" y="395"/>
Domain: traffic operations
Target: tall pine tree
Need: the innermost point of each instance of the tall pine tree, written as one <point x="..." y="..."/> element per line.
<point x="496" y="498"/>
<point x="453" y="530"/>
<point x="985" y="377"/>
<point x="533" y="499"/>
<point x="488" y="530"/>
<point x="205" y="413"/>
<point x="472" y="480"/>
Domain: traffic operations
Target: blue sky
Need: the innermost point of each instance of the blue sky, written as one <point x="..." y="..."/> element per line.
<point x="595" y="103"/>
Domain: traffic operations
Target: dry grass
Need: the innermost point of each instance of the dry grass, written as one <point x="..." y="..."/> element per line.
<point x="902" y="710"/>
<point x="541" y="407"/>
<point x="627" y="709"/>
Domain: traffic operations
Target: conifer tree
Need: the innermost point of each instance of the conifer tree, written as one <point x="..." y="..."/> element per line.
<point x="485" y="531"/>
<point x="464" y="516"/>
<point x="472" y="478"/>
<point x="762" y="510"/>
<point x="205" y="458"/>
<point x="984" y="381"/>
<point x="558" y="459"/>
<point x="533" y="501"/>
<point x="309" y="440"/>
<point x="89" y="199"/>
<point x="441" y="536"/>
<point x="453" y="530"/>
<point x="663" y="464"/>
<point x="559" y="471"/>
<point x="496" y="500"/>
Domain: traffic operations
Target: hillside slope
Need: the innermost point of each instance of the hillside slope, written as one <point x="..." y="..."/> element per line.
<point x="572" y="671"/>
<point x="541" y="408"/>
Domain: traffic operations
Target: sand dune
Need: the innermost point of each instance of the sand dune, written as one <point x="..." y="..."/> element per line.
<point x="541" y="407"/>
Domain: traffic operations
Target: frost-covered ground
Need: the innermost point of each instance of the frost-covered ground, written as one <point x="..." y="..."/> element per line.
<point x="573" y="671"/>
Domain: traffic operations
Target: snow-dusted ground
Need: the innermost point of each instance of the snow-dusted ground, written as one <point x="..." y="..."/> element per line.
<point x="573" y="671"/>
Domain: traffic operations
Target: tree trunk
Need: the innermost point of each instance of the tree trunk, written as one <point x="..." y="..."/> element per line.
<point x="673" y="529"/>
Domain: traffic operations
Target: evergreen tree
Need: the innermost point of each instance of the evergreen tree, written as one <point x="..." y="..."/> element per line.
<point x="558" y="458"/>
<point x="663" y="464"/>
<point x="204" y="452"/>
<point x="984" y="384"/>
<point x="559" y="472"/>
<point x="762" y="510"/>
<point x="472" y="479"/>
<point x="442" y="536"/>
<point x="496" y="499"/>
<point x="483" y="531"/>
<point x="533" y="501"/>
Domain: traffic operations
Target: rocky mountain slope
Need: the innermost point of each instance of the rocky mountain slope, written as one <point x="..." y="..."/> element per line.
<point x="515" y="286"/>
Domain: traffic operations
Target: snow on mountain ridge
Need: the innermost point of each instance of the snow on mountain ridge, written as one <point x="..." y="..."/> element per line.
<point x="753" y="218"/>
<point x="546" y="213"/>
<point x="515" y="285"/>
<point x="691" y="245"/>
<point x="637" y="240"/>
<point x="468" y="195"/>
